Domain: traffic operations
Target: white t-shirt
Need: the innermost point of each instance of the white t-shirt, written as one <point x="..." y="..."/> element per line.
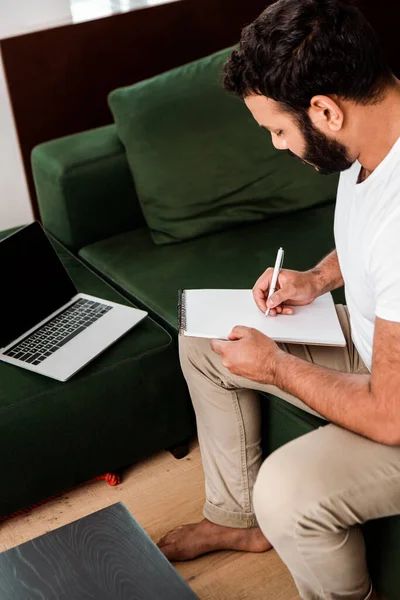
<point x="367" y="236"/>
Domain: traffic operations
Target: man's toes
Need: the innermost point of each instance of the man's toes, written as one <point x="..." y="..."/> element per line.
<point x="167" y="538"/>
<point x="163" y="546"/>
<point x="171" y="535"/>
<point x="170" y="551"/>
<point x="163" y="541"/>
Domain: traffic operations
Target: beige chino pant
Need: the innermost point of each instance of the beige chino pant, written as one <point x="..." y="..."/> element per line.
<point x="310" y="496"/>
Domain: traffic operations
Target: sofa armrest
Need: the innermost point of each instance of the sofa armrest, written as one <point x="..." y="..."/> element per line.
<point x="85" y="190"/>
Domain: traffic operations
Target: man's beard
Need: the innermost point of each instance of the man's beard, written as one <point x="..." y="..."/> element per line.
<point x="328" y="156"/>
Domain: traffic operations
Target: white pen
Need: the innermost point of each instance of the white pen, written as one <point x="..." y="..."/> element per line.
<point x="277" y="268"/>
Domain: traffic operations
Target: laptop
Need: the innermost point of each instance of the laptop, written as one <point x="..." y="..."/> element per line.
<point x="47" y="326"/>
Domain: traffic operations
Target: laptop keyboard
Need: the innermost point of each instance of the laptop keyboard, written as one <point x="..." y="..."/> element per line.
<point x="58" y="331"/>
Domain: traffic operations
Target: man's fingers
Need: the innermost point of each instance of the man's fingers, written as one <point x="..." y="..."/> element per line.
<point x="283" y="310"/>
<point x="259" y="298"/>
<point x="264" y="280"/>
<point x="275" y="300"/>
<point x="261" y="287"/>
<point x="219" y="346"/>
<point x="281" y="295"/>
<point x="280" y="310"/>
<point x="238" y="332"/>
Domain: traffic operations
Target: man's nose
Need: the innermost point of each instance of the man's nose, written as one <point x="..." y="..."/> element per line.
<point x="279" y="143"/>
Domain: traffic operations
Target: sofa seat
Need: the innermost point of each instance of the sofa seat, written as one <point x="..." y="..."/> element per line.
<point x="151" y="275"/>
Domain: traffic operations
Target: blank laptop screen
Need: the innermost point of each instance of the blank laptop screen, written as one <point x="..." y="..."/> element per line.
<point x="33" y="282"/>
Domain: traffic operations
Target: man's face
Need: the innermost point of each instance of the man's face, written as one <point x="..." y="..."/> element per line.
<point x="302" y="139"/>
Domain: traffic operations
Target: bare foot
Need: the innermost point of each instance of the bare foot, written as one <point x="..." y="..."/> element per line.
<point x="189" y="541"/>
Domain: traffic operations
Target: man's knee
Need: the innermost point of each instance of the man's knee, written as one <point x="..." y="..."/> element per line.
<point x="290" y="489"/>
<point x="275" y="492"/>
<point x="196" y="354"/>
<point x="192" y="350"/>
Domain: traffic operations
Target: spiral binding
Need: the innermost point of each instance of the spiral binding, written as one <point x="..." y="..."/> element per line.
<point x="182" y="311"/>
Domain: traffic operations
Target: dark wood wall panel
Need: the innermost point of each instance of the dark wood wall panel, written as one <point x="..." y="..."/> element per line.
<point x="59" y="78"/>
<point x="385" y="18"/>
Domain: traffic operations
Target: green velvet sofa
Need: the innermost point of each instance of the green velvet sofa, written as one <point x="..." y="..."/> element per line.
<point x="185" y="191"/>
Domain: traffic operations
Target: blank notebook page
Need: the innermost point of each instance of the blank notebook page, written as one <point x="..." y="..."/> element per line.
<point x="214" y="313"/>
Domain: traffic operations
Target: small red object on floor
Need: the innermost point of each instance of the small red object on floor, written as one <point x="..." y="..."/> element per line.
<point x="111" y="479"/>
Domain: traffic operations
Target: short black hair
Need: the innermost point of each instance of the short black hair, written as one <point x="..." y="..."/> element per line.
<point x="297" y="49"/>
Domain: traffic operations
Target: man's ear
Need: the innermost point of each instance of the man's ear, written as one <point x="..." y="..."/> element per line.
<point x="326" y="113"/>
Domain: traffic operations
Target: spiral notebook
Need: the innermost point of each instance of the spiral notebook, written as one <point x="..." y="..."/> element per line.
<point x="214" y="313"/>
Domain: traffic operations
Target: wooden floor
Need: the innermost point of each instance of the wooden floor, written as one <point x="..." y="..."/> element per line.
<point x="163" y="493"/>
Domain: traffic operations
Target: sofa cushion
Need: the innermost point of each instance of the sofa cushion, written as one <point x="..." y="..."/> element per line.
<point x="199" y="160"/>
<point x="152" y="275"/>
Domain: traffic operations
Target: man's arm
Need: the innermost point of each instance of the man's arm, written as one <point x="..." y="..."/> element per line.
<point x="366" y="404"/>
<point x="328" y="273"/>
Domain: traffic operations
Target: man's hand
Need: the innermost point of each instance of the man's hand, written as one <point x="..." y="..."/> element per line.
<point x="248" y="353"/>
<point x="295" y="288"/>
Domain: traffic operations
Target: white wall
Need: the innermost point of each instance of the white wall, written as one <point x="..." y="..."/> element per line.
<point x="16" y="17"/>
<point x="20" y="16"/>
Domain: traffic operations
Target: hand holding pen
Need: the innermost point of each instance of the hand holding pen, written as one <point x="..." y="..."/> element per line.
<point x="291" y="288"/>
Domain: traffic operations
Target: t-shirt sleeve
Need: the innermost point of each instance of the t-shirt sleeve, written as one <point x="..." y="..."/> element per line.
<point x="385" y="266"/>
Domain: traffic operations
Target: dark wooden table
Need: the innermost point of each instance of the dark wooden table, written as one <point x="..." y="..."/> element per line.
<point x="105" y="556"/>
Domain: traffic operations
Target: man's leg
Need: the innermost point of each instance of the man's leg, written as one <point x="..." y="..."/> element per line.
<point x="310" y="497"/>
<point x="229" y="428"/>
